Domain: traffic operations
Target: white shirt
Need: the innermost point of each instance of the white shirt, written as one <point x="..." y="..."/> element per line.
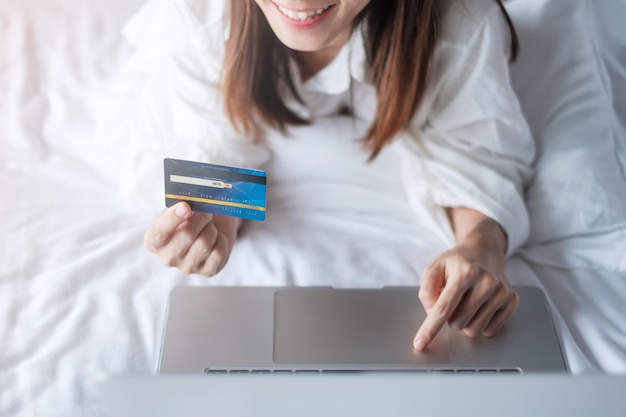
<point x="468" y="144"/>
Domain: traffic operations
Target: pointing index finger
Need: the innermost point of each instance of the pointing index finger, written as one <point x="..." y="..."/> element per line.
<point x="438" y="316"/>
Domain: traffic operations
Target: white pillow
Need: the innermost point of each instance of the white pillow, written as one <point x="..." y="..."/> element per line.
<point x="579" y="190"/>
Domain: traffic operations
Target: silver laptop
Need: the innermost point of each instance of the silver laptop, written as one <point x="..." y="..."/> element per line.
<point x="236" y="330"/>
<point x="364" y="395"/>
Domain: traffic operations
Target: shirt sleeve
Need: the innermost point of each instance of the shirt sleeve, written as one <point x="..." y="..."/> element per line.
<point x="469" y="144"/>
<point x="166" y="100"/>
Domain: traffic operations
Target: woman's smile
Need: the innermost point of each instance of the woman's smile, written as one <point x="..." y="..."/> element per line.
<point x="303" y="15"/>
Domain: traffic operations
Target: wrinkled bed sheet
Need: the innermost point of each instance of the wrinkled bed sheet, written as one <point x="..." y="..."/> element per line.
<point x="80" y="299"/>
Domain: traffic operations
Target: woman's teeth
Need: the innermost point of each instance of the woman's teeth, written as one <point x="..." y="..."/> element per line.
<point x="302" y="16"/>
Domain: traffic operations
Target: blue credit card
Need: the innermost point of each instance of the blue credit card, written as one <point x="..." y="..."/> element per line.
<point x="216" y="189"/>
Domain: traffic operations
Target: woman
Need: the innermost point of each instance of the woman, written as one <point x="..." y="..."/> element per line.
<point x="430" y="74"/>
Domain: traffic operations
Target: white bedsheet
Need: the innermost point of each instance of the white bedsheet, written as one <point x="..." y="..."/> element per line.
<point x="80" y="299"/>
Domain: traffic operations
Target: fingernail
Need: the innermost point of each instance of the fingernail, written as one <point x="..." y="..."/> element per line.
<point x="419" y="344"/>
<point x="181" y="210"/>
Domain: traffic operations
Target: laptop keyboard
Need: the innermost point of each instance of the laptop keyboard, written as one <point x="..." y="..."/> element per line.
<point x="438" y="371"/>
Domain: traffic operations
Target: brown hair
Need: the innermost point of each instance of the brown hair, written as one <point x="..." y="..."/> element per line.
<point x="400" y="38"/>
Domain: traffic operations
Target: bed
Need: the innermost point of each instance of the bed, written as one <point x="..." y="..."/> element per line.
<point x="81" y="299"/>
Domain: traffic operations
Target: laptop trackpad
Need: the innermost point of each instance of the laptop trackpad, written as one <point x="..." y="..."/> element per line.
<point x="352" y="327"/>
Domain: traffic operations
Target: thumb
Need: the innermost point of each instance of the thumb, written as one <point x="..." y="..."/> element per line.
<point x="180" y="211"/>
<point x="164" y="226"/>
